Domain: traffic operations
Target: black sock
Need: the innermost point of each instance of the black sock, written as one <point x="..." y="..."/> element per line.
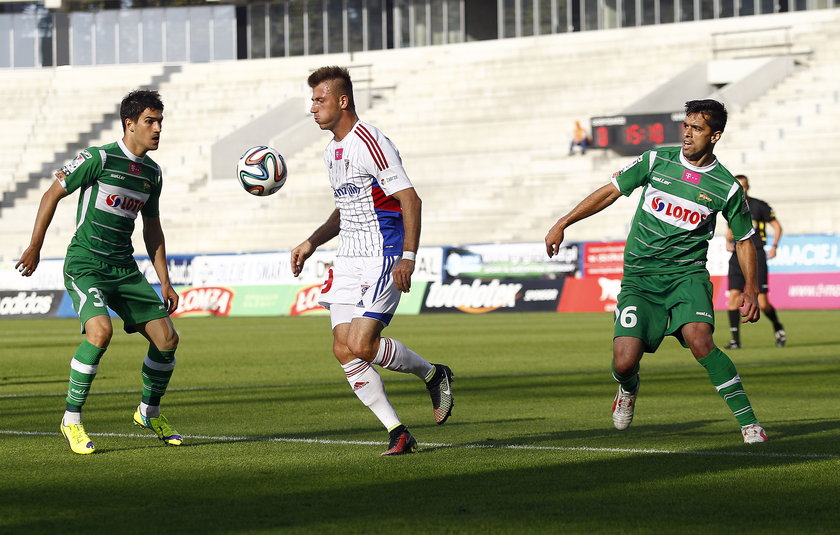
<point x="735" y="326"/>
<point x="770" y="313"/>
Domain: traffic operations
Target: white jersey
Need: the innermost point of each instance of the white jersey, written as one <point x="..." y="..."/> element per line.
<point x="365" y="171"/>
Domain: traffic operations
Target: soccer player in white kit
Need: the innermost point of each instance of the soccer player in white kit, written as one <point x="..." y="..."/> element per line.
<point x="377" y="220"/>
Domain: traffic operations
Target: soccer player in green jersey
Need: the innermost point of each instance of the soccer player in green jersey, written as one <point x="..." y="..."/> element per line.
<point x="666" y="289"/>
<point x="117" y="182"/>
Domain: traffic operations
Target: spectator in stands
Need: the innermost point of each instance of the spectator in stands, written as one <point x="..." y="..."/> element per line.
<point x="762" y="215"/>
<point x="666" y="288"/>
<point x="377" y="220"/>
<point x="580" y="138"/>
<point x="118" y="182"/>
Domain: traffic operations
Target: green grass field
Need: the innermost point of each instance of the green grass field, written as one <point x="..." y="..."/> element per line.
<point x="277" y="443"/>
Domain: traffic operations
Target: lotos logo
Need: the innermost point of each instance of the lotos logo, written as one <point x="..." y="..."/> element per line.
<point x="126" y="203"/>
<point x="677" y="212"/>
<point x="214" y="300"/>
<point x="306" y="300"/>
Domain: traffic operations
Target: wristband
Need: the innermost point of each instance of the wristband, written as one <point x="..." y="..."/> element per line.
<point x="409" y="255"/>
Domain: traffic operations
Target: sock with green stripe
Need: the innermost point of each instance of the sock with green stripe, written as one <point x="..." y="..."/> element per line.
<point x="83" y="368"/>
<point x="157" y="370"/>
<point x="629" y="383"/>
<point x="725" y="378"/>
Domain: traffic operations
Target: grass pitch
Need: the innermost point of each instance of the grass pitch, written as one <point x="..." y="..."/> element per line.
<point x="275" y="441"/>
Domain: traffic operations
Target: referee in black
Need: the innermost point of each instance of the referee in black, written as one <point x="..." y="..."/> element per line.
<point x="762" y="216"/>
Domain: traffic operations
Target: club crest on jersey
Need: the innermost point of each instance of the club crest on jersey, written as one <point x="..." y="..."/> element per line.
<point x="134" y="168"/>
<point x="691" y="176"/>
<point x="703" y="197"/>
<point x="346" y="165"/>
<point x="339" y="153"/>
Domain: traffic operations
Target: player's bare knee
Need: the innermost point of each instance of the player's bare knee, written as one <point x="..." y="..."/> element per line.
<point x="362" y="348"/>
<point x="342" y="352"/>
<point x="99" y="333"/>
<point x="170" y="342"/>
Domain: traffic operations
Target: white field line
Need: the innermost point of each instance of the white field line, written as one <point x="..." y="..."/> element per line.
<point x="521" y="447"/>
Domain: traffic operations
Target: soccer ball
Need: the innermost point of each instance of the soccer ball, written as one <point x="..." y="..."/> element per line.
<point x="261" y="171"/>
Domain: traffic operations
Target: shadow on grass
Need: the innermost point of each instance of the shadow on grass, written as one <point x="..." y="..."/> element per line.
<point x="445" y="490"/>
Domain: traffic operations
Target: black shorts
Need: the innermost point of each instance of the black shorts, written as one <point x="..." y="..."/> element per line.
<point x="736" y="277"/>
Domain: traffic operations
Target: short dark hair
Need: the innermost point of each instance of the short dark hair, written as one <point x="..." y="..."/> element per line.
<point x="713" y="111"/>
<point x="334" y="73"/>
<point x="136" y="103"/>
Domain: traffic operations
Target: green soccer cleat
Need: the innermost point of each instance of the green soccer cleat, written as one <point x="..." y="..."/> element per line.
<point x="76" y="437"/>
<point x="161" y="426"/>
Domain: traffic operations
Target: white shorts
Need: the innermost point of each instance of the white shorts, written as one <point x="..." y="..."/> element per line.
<point x="364" y="282"/>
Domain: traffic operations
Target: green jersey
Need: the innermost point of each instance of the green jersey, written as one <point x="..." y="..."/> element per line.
<point x="676" y="215"/>
<point x="115" y="186"/>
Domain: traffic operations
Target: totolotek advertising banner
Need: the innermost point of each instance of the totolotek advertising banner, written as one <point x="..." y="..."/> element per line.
<point x="476" y="296"/>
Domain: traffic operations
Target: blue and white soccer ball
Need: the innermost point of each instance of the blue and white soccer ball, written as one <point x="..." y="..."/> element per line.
<point x="261" y="171"/>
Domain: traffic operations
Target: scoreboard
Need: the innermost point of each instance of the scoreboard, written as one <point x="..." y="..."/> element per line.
<point x="636" y="133"/>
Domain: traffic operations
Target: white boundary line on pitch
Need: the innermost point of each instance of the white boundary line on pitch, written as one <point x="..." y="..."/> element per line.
<point x="462" y="446"/>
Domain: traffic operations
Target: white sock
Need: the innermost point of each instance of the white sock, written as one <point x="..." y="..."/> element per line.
<point x="393" y="355"/>
<point x="150" y="411"/>
<point x="72" y="418"/>
<point x="368" y="387"/>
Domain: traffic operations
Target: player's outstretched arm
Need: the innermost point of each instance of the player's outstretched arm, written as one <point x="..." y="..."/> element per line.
<point x="411" y="207"/>
<point x="156" y="248"/>
<point x="322" y="235"/>
<point x="750" y="311"/>
<point x="31" y="257"/>
<point x="591" y="205"/>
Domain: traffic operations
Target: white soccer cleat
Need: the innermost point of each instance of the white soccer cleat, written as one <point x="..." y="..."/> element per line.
<point x="753" y="433"/>
<point x="623" y="406"/>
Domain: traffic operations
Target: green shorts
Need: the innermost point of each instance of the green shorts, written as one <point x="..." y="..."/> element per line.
<point x="94" y="285"/>
<point x="654" y="306"/>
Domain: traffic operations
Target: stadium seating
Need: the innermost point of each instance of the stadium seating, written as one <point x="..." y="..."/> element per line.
<point x="483" y="129"/>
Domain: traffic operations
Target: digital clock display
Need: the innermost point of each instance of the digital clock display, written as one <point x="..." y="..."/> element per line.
<point x="632" y="134"/>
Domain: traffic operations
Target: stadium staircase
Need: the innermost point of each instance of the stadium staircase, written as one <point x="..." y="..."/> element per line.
<point x="484" y="130"/>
